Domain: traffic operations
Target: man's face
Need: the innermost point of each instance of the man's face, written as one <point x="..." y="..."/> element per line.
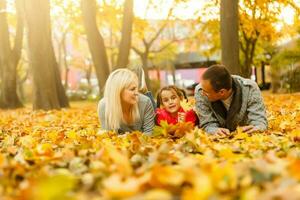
<point x="211" y="94"/>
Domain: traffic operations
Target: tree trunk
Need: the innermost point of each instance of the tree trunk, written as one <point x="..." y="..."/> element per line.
<point x="20" y="85"/>
<point x="248" y="55"/>
<point x="47" y="88"/>
<point x="88" y="74"/>
<point x="263" y="74"/>
<point x="229" y="35"/>
<point x="95" y="41"/>
<point x="66" y="64"/>
<point x="59" y="53"/>
<point x="9" y="58"/>
<point x="173" y="73"/>
<point x="144" y="58"/>
<point x="125" y="44"/>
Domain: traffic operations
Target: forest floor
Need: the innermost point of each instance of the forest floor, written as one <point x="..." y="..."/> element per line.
<point x="63" y="155"/>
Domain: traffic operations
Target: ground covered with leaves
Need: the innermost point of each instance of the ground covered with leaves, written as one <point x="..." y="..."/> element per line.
<point x="62" y="155"/>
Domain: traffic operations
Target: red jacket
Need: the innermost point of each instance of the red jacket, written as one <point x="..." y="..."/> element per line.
<point x="163" y="115"/>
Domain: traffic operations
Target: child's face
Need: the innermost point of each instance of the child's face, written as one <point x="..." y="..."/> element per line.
<point x="170" y="101"/>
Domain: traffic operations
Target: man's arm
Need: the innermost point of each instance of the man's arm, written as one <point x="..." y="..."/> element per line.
<point x="256" y="110"/>
<point x="207" y="120"/>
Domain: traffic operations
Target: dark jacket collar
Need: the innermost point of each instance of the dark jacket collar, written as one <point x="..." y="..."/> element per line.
<point x="234" y="108"/>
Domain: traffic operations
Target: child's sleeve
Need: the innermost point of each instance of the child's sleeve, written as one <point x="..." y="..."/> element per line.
<point x="158" y="116"/>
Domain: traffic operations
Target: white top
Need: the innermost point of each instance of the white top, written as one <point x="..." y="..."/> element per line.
<point x="227" y="102"/>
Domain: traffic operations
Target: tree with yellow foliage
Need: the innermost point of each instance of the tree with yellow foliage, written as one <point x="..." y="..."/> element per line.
<point x="258" y="20"/>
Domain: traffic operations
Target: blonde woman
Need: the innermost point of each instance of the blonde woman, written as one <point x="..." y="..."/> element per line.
<point x="122" y="108"/>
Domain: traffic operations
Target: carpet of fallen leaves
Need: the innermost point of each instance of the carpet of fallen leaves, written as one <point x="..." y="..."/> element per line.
<point x="63" y="155"/>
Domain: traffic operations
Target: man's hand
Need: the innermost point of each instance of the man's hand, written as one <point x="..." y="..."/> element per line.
<point x="248" y="129"/>
<point x="222" y="132"/>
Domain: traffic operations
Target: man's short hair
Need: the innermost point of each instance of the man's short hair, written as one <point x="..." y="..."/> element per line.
<point x="219" y="77"/>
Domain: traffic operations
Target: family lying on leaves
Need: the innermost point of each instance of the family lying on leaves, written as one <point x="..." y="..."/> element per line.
<point x="223" y="103"/>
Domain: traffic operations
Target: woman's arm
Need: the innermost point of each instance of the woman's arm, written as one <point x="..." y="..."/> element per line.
<point x="101" y="114"/>
<point x="148" y="122"/>
<point x="149" y="94"/>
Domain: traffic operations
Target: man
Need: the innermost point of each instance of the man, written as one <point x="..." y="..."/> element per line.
<point x="224" y="102"/>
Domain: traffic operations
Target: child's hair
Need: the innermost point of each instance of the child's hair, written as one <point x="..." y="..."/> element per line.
<point x="180" y="92"/>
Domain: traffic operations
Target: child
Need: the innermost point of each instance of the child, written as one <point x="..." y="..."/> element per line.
<point x="169" y="108"/>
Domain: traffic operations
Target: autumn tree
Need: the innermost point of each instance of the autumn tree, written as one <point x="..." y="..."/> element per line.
<point x="10" y="56"/>
<point x="258" y="21"/>
<point x="48" y="89"/>
<point x="285" y="61"/>
<point x="95" y="41"/>
<point x="153" y="37"/>
<point x="68" y="28"/>
<point x="110" y="25"/>
<point x="204" y="38"/>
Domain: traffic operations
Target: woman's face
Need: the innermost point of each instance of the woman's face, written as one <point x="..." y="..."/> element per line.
<point x="170" y="101"/>
<point x="130" y="94"/>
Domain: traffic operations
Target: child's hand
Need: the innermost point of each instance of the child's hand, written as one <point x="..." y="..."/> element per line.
<point x="181" y="116"/>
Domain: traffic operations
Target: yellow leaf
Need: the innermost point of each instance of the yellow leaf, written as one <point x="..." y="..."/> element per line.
<point x="240" y="134"/>
<point x="186" y="106"/>
<point x="117" y="187"/>
<point x="71" y="134"/>
<point x="294" y="168"/>
<point x="54" y="187"/>
<point x="122" y="161"/>
<point x="166" y="175"/>
<point x="156" y="194"/>
<point x="226" y="153"/>
<point x="224" y="177"/>
<point x="44" y="149"/>
<point x="201" y="188"/>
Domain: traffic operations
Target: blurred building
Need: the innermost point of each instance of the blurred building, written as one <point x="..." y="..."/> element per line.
<point x="185" y="70"/>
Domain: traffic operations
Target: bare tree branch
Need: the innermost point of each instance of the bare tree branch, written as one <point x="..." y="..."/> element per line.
<point x="162" y="27"/>
<point x="164" y="47"/>
<point x="136" y="50"/>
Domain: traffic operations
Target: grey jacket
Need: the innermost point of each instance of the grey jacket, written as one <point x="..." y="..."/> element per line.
<point x="144" y="124"/>
<point x="247" y="108"/>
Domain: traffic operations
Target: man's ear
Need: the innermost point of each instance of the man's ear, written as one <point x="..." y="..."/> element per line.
<point x="222" y="91"/>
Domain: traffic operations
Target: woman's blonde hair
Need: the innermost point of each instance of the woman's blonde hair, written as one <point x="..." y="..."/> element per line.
<point x="117" y="81"/>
